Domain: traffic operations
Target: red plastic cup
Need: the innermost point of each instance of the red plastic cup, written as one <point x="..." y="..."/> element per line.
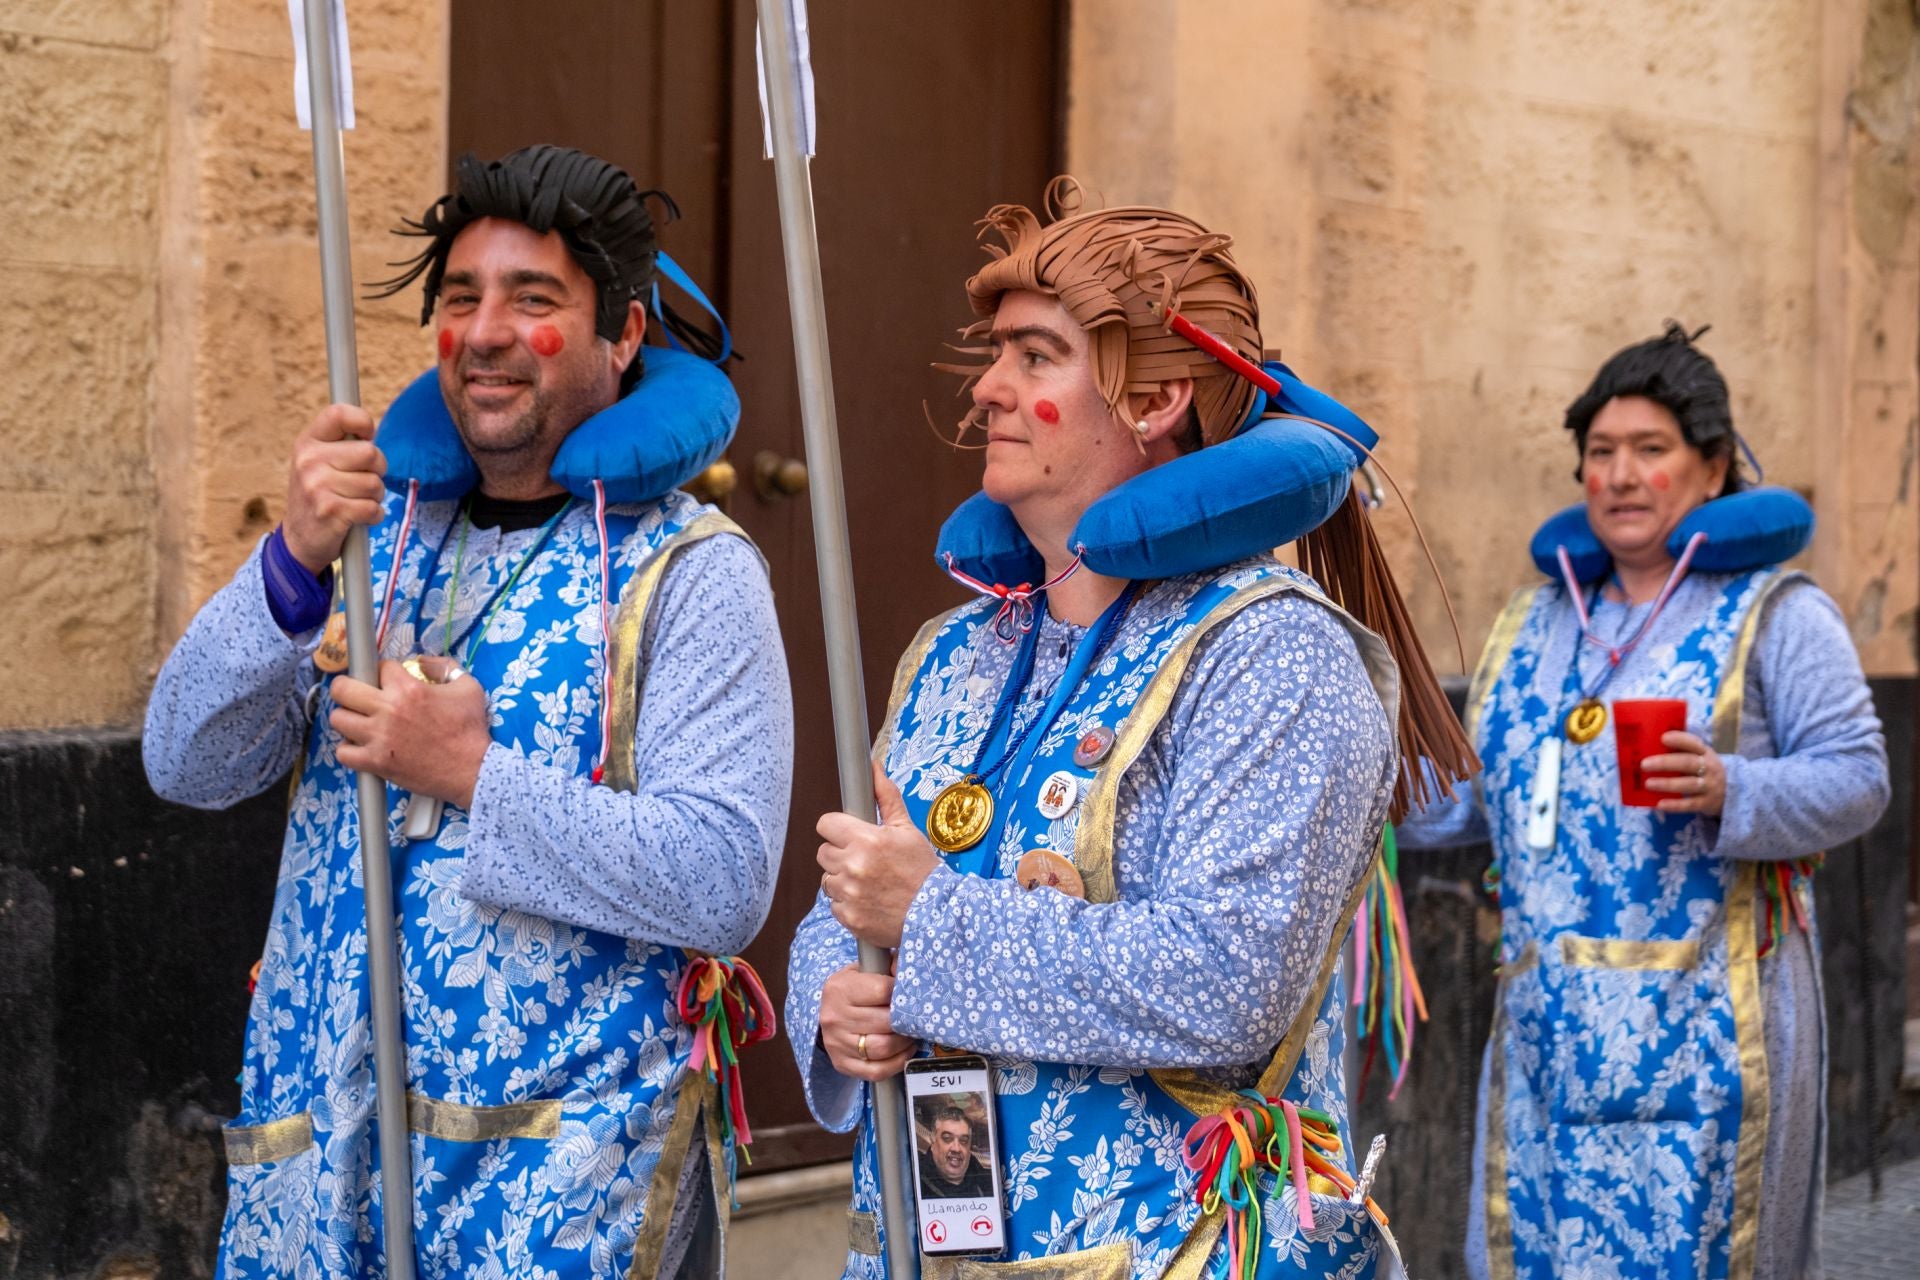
<point x="1638" y="725"/>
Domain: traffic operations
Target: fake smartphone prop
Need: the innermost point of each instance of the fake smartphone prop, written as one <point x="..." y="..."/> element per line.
<point x="956" y="1147"/>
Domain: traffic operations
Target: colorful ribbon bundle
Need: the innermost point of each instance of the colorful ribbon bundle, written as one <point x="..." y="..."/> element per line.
<point x="1230" y="1151"/>
<point x="1386" y="990"/>
<point x="722" y="999"/>
<point x="1781" y="880"/>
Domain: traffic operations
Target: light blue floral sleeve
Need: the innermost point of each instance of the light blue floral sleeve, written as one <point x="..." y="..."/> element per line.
<point x="690" y="860"/>
<point x="1811" y="771"/>
<point x="228" y="715"/>
<point x="1241" y="831"/>
<point x="1812" y="768"/>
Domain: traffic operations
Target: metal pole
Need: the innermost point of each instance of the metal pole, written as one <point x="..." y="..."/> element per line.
<point x="806" y="301"/>
<point x="363" y="661"/>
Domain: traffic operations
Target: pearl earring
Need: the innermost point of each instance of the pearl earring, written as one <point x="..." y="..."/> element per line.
<point x="1141" y="427"/>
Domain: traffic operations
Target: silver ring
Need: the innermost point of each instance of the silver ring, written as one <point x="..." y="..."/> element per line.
<point x="1700" y="770"/>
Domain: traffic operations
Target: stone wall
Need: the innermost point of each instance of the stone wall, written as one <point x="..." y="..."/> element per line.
<point x="83" y="98"/>
<point x="1458" y="208"/>
<point x="167" y="340"/>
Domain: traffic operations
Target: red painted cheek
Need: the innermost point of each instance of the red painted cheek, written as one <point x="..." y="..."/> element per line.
<point x="1047" y="411"/>
<point x="1594" y="484"/>
<point x="1660" y="481"/>
<point x="446" y="344"/>
<point x="546" y="340"/>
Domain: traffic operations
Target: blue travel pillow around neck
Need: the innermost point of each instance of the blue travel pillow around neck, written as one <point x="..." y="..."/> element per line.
<point x="675" y="421"/>
<point x="1752" y="529"/>
<point x="1273" y="481"/>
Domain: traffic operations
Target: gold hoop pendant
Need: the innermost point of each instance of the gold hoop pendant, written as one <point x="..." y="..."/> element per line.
<point x="1585" y="721"/>
<point x="960" y="815"/>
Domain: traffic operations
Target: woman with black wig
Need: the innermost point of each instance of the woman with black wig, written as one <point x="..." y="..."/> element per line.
<point x="1653" y="1094"/>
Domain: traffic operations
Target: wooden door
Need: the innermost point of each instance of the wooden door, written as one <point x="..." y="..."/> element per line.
<point x="928" y="115"/>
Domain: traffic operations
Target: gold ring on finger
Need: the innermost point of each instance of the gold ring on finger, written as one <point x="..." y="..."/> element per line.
<point x="860" y="1046"/>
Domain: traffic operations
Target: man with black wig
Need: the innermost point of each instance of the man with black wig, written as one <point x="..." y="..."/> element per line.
<point x="597" y="837"/>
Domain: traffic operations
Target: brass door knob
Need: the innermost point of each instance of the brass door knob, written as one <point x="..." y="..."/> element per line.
<point x="778" y="477"/>
<point x="715" y="484"/>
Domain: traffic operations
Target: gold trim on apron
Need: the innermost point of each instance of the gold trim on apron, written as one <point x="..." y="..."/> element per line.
<point x="1743" y="965"/>
<point x="863" y="1233"/>
<point x="1106" y="1262"/>
<point x="1496" y="651"/>
<point x="665" y="1186"/>
<point x="1743" y="972"/>
<point x="1626" y="953"/>
<point x="458" y="1122"/>
<point x="1093" y="842"/>
<point x="274" y="1140"/>
<point x="694" y="1098"/>
<point x="629" y="622"/>
<point x="1093" y="856"/>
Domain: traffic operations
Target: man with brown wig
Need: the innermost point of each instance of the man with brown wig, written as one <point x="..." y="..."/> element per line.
<point x="1124" y="814"/>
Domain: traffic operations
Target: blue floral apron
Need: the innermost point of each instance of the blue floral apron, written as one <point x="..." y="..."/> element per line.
<point x="549" y="1097"/>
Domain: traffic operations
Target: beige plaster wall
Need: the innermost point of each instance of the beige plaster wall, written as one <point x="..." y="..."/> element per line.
<point x="165" y="342"/>
<point x="1458" y="208"/>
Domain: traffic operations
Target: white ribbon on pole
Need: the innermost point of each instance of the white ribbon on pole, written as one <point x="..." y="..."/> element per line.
<point x="800" y="59"/>
<point x="342" y="64"/>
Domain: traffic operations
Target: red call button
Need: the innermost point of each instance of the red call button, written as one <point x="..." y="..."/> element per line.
<point x="937" y="1231"/>
<point x="983" y="1226"/>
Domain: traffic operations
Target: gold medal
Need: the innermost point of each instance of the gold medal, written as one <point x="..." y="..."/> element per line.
<point x="1043" y="868"/>
<point x="960" y="815"/>
<point x="331" y="656"/>
<point x="1585" y="721"/>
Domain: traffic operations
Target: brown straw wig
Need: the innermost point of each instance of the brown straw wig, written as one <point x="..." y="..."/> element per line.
<point x="1117" y="271"/>
<point x="1121" y="273"/>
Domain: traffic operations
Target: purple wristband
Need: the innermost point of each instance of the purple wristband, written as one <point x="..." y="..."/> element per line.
<point x="297" y="600"/>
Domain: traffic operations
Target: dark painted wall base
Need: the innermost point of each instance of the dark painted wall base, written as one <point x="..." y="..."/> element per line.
<point x="128" y="926"/>
<point x="127" y="930"/>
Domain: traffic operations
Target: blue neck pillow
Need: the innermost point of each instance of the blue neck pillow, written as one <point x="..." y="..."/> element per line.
<point x="1273" y="481"/>
<point x="1752" y="529"/>
<point x="675" y="421"/>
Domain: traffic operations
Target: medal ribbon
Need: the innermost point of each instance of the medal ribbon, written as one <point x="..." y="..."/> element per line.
<point x="1615" y="650"/>
<point x="724" y="1001"/>
<point x="453" y="584"/>
<point x="1092" y="645"/>
<point x="1016" y="603"/>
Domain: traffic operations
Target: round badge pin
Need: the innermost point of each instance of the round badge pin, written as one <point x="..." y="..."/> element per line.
<point x="1058" y="794"/>
<point x="1045" y="869"/>
<point x="1093" y="746"/>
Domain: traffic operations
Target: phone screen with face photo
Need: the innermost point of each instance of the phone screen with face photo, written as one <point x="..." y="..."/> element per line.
<point x="956" y="1149"/>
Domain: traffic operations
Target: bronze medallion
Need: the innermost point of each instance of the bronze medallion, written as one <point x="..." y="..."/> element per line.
<point x="331" y="656"/>
<point x="1043" y="868"/>
<point x="1585" y="721"/>
<point x="960" y="815"/>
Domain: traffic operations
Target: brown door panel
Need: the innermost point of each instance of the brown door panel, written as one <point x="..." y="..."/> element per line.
<point x="928" y="114"/>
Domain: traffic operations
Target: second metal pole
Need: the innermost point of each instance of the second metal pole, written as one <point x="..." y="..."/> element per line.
<point x="806" y="299"/>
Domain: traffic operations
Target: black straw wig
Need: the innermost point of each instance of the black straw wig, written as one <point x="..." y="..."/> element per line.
<point x="598" y="210"/>
<point x="1670" y="371"/>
